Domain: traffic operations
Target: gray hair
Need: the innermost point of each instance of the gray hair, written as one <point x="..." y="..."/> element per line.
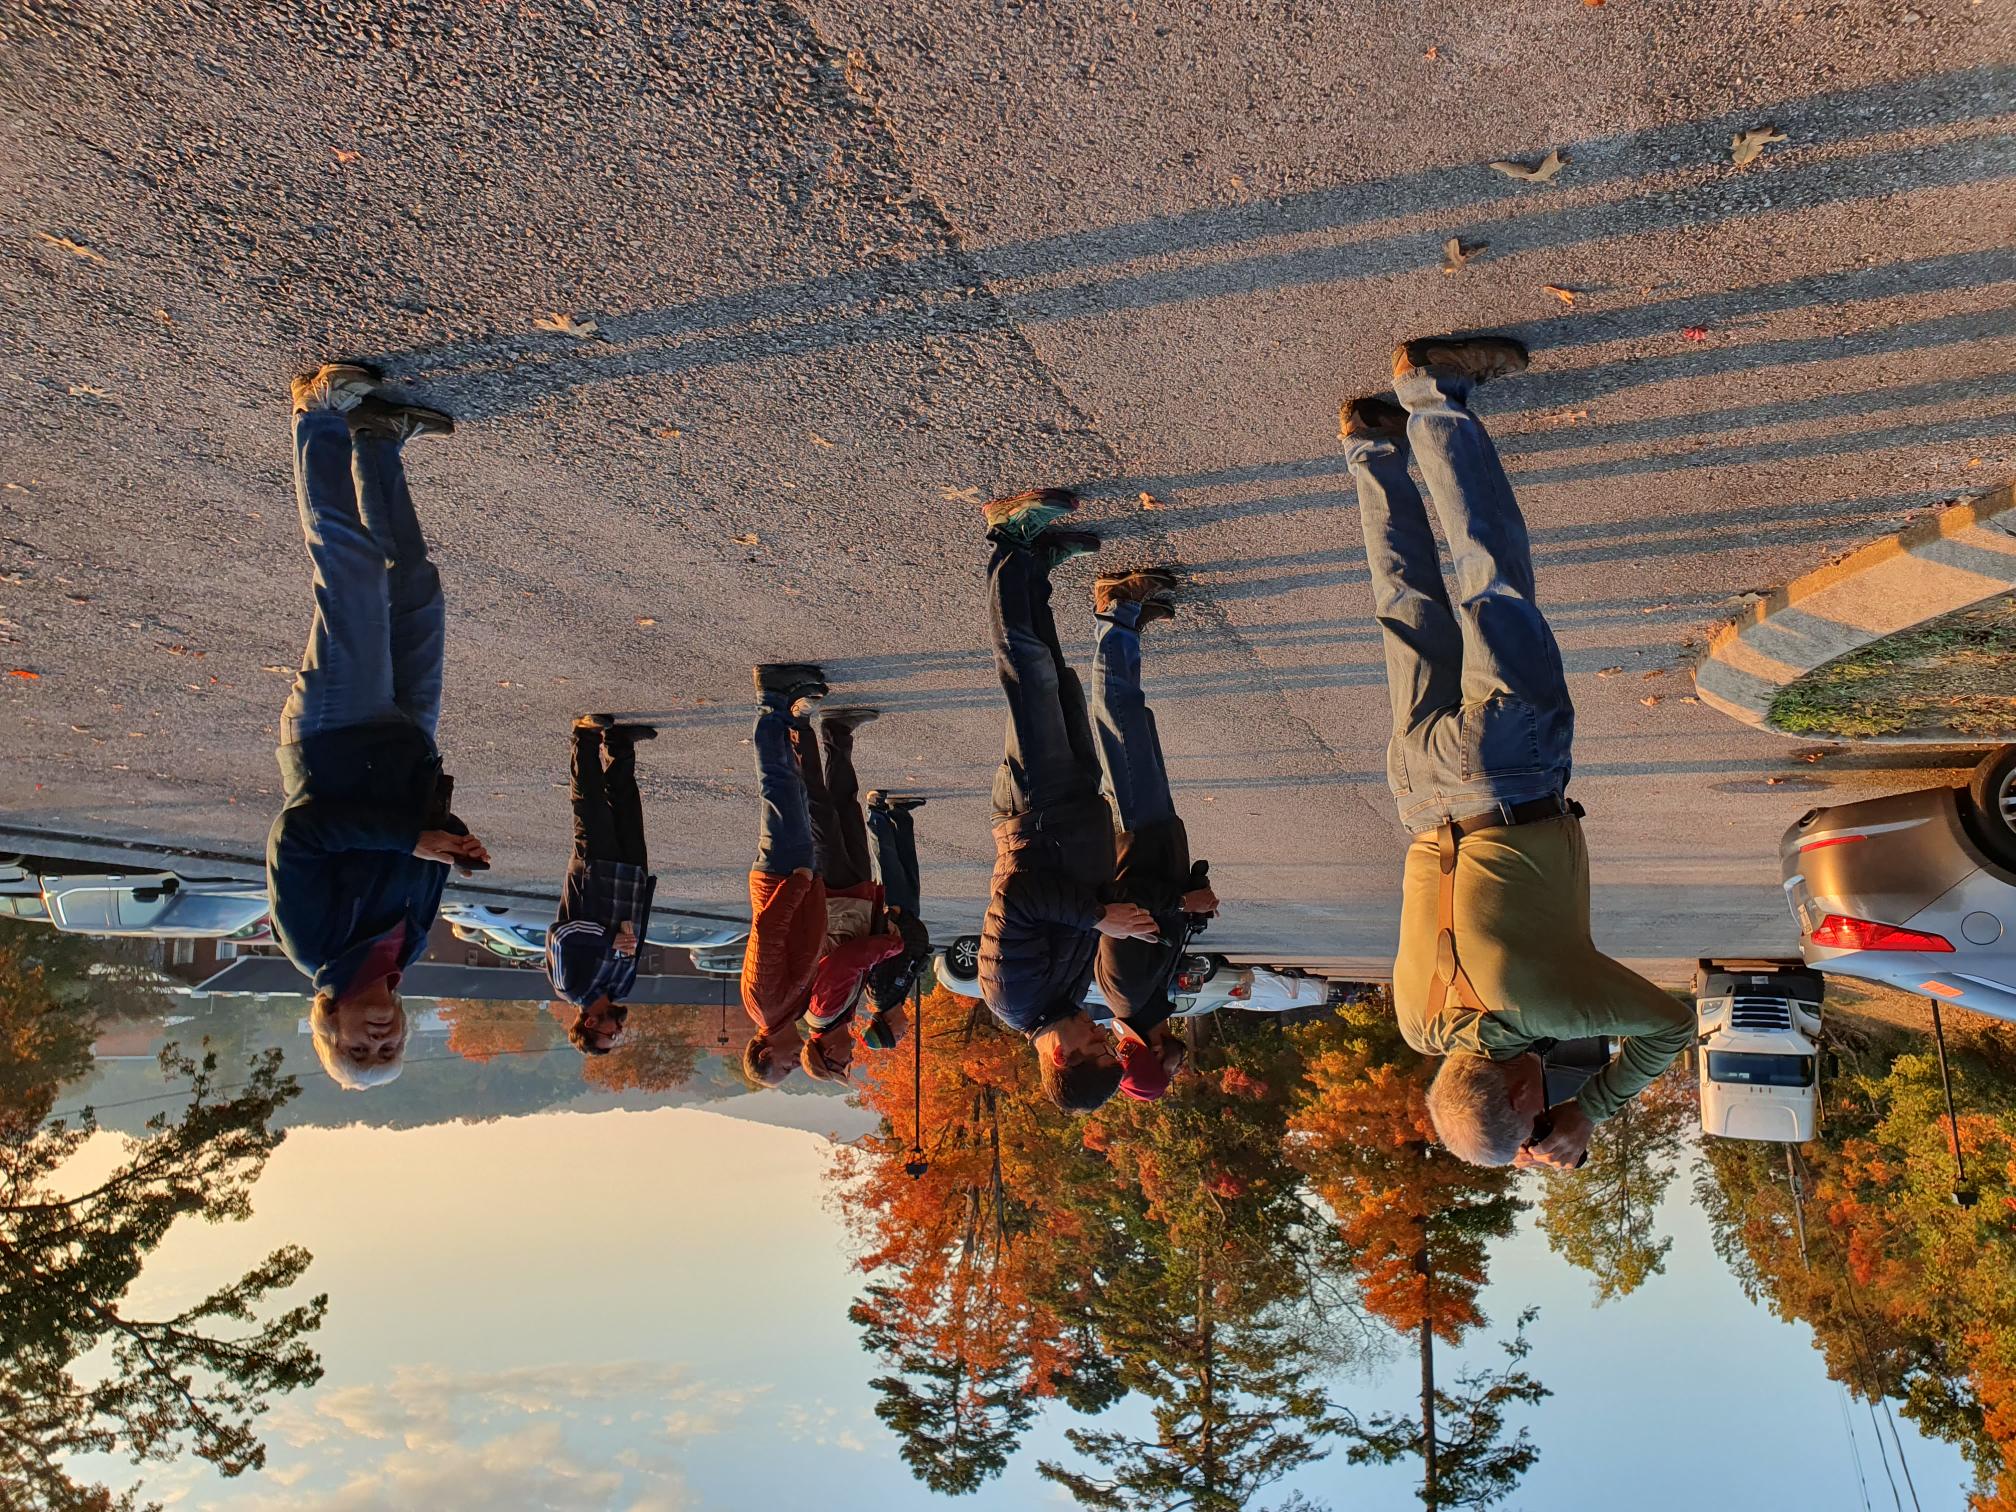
<point x="351" y="1078"/>
<point x="1473" y="1113"/>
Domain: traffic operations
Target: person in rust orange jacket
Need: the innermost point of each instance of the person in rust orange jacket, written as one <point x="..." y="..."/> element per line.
<point x="816" y="915"/>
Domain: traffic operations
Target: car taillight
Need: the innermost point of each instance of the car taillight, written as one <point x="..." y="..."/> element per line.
<point x="1240" y="992"/>
<point x="1839" y="933"/>
<point x="1827" y="840"/>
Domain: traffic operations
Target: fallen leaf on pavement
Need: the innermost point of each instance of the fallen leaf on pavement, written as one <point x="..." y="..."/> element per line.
<point x="668" y="433"/>
<point x="344" y="155"/>
<point x="1695" y="333"/>
<point x="1747" y="146"/>
<point x="962" y="496"/>
<point x="73" y="248"/>
<point x="646" y="621"/>
<point x="747" y="540"/>
<point x="1456" y="253"/>
<point x="1608" y="671"/>
<point x="1648" y="675"/>
<point x="24" y="674"/>
<point x="1432" y="54"/>
<point x="281" y="671"/>
<point x="1651" y="699"/>
<point x="1566" y="296"/>
<point x="1541" y="172"/>
<point x="1149" y="501"/>
<point x="88" y="391"/>
<point x="1773" y="781"/>
<point x="819" y="440"/>
<point x="567" y="325"/>
<point x="1689" y="698"/>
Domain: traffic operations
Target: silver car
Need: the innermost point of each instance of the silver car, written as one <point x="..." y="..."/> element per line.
<point x="1917" y="890"/>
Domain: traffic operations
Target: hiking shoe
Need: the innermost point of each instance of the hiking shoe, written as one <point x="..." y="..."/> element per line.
<point x="338" y="386"/>
<point x="373" y="416"/>
<point x="1480" y="358"/>
<point x="790" y="681"/>
<point x="1022" y="517"/>
<point x="590" y="724"/>
<point x="1132" y="585"/>
<point x="1154" y="609"/>
<point x="1374" y="417"/>
<point x="849" y="719"/>
<point x="629" y="734"/>
<point x="1056" y="547"/>
<point x="897" y="801"/>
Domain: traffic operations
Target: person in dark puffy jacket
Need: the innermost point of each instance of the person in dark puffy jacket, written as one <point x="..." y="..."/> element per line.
<point x="1053" y="832"/>
<point x="359" y="854"/>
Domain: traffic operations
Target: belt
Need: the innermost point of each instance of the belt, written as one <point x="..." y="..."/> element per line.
<point x="1533" y="811"/>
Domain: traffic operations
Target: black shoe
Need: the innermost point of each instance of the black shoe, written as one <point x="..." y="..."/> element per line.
<point x="373" y="416"/>
<point x="630" y="734"/>
<point x="1481" y="358"/>
<point x="896" y="801"/>
<point x="1374" y="417"/>
<point x="790" y="681"/>
<point x="1154" y="609"/>
<point x="848" y="719"/>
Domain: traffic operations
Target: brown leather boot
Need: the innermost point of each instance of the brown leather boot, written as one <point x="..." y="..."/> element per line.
<point x="1374" y="417"/>
<point x="1136" y="585"/>
<point x="1481" y="358"/>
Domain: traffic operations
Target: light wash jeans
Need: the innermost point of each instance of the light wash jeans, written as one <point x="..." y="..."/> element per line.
<point x="1481" y="713"/>
<point x="376" y="644"/>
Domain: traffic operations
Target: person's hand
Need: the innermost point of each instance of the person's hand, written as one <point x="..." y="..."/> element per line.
<point x="451" y="850"/>
<point x="1200" y="901"/>
<point x="1564" y="1148"/>
<point x="625" y="942"/>
<point x="1128" y="921"/>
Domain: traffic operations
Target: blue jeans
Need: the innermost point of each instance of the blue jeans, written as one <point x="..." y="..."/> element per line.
<point x="1481" y="713"/>
<point x="895" y="838"/>
<point x="811" y="810"/>
<point x="1130" y="750"/>
<point x="375" y="648"/>
<point x="1050" y="759"/>
<point x="784" y="829"/>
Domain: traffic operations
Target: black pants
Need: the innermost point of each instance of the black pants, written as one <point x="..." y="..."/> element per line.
<point x="608" y="811"/>
<point x="1050" y="758"/>
<point x="833" y="793"/>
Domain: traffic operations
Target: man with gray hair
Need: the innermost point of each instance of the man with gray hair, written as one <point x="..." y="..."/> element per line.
<point x="1496" y="963"/>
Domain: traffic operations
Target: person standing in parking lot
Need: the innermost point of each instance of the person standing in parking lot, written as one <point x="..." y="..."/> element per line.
<point x="1053" y="831"/>
<point x="605" y="900"/>
<point x="357" y="858"/>
<point x="1496" y="960"/>
<point x="892" y="833"/>
<point x="1153" y="868"/>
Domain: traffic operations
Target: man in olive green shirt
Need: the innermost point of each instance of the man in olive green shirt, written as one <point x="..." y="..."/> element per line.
<point x="1482" y="734"/>
<point x="1522" y="935"/>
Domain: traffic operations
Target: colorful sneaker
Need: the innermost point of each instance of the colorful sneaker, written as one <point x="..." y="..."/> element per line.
<point x="1056" y="547"/>
<point x="1023" y="517"/>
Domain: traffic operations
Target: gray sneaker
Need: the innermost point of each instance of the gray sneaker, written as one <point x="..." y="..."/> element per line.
<point x="338" y="386"/>
<point x="373" y="416"/>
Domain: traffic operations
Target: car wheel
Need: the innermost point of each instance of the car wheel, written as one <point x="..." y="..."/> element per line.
<point x="963" y="956"/>
<point x="1993" y="790"/>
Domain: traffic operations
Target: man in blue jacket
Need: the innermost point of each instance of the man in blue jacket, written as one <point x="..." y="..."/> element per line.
<point x="1053" y="832"/>
<point x="357" y="858"/>
<point x="605" y="902"/>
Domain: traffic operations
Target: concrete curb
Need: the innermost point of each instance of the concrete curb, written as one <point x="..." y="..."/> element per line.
<point x="1957" y="557"/>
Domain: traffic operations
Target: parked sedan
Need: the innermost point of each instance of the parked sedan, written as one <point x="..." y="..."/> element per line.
<point x="1917" y="890"/>
<point x="158" y="904"/>
<point x="530" y="924"/>
<point x="1205" y="984"/>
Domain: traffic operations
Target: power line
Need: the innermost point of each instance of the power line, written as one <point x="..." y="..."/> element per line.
<point x="1854" y="1449"/>
<point x="1877" y="1429"/>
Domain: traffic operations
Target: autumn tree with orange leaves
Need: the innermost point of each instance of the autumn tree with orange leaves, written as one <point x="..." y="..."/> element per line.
<point x="481" y="1031"/>
<point x="1910" y="1294"/>
<point x="1418" y="1223"/>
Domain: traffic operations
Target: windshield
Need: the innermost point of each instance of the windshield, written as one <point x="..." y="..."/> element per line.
<point x="1760" y="1070"/>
